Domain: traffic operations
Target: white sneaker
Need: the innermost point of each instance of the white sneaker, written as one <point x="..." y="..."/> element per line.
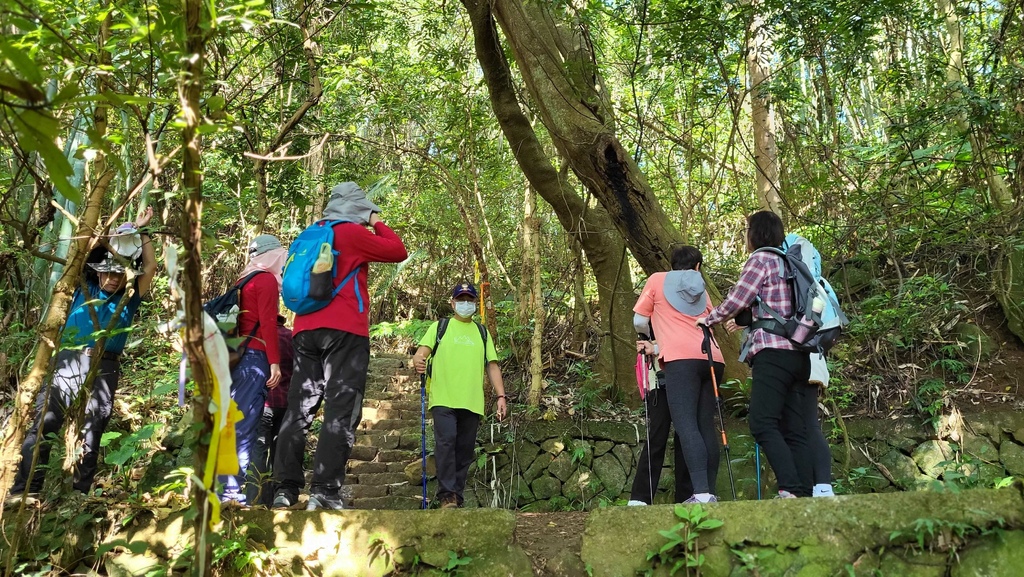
<point x="635" y="503"/>
<point x="823" y="490"/>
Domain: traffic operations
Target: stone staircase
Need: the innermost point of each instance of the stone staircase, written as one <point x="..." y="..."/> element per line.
<point x="388" y="440"/>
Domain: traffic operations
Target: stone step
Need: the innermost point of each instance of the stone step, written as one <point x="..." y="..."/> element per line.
<point x="397" y="456"/>
<point x="382" y="479"/>
<point x="390" y="502"/>
<point x="359" y="491"/>
<point x="403" y="397"/>
<point x="406" y="490"/>
<point x="382" y="414"/>
<point x="388" y="424"/>
<point x="378" y="441"/>
<point x="361" y="467"/>
<point x="364" y="452"/>
<point x="400" y="404"/>
<point x="390" y="362"/>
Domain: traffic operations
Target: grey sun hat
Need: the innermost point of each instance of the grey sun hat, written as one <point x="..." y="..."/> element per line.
<point x="262" y="244"/>
<point x="348" y="202"/>
<point x="684" y="290"/>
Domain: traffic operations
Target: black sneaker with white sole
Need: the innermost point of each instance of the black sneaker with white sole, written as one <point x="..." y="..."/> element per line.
<point x="319" y="501"/>
<point x="283" y="501"/>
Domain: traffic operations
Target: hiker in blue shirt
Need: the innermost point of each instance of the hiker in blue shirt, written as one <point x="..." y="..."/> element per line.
<point x="91" y="334"/>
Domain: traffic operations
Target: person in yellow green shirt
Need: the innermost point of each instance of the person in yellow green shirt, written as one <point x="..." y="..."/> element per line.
<point x="454" y="353"/>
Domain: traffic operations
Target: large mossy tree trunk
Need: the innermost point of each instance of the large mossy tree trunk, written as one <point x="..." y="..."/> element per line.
<point x="592" y="227"/>
<point x="558" y="66"/>
<point x="564" y="84"/>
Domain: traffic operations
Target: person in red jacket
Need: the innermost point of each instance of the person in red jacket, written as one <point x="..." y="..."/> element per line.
<point x="259" y="367"/>
<point x="332" y="354"/>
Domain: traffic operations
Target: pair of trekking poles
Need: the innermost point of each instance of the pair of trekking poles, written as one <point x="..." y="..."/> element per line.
<point x="644" y="364"/>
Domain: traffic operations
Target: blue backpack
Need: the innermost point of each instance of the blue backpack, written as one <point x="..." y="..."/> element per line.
<point x="307" y="284"/>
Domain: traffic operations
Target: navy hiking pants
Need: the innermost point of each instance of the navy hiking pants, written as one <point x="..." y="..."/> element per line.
<point x="249" y="390"/>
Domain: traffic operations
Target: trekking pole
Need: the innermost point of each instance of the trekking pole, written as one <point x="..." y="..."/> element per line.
<point x="757" y="467"/>
<point x="423" y="436"/>
<point x="643" y="378"/>
<point x="706" y="345"/>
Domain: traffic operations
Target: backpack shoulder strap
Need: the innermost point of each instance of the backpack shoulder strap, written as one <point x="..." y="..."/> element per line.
<point x="442" y="326"/>
<point x="483" y="337"/>
<point x="245" y="280"/>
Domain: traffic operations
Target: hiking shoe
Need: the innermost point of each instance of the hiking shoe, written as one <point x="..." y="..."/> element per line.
<point x="16" y="499"/>
<point x="635" y="503"/>
<point x="283" y="501"/>
<point x="823" y="490"/>
<point x="448" y="502"/>
<point x="785" y="495"/>
<point x="319" y="501"/>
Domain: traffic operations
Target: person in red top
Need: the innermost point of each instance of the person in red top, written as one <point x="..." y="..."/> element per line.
<point x="332" y="353"/>
<point x="780" y="401"/>
<point x="259" y="367"/>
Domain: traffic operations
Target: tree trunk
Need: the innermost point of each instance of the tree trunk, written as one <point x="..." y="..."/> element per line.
<point x="622" y="192"/>
<point x="534" y="302"/>
<point x="566" y="87"/>
<point x="999" y="193"/>
<point x="189" y="90"/>
<point x="766" y="154"/>
<point x="592" y="227"/>
<point x="60" y="300"/>
<point x="309" y="47"/>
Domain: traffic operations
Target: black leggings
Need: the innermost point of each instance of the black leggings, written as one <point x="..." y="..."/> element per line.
<point x="691" y="402"/>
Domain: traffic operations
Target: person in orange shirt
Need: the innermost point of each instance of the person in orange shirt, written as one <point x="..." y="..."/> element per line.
<point x="670" y="303"/>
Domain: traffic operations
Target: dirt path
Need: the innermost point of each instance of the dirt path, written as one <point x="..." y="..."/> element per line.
<point x="552" y="541"/>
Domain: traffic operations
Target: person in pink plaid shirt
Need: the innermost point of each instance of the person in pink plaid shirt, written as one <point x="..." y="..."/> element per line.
<point x="780" y="395"/>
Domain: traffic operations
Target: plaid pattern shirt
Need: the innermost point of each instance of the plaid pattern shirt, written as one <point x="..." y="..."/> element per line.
<point x="764" y="275"/>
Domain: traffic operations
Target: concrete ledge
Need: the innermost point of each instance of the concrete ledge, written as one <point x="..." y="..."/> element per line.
<point x="819" y="536"/>
<point x="353" y="543"/>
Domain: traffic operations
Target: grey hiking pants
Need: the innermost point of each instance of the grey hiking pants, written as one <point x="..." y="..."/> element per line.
<point x="330" y="369"/>
<point x="66" y="385"/>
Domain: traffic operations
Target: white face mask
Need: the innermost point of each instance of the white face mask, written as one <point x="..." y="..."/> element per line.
<point x="465" y="308"/>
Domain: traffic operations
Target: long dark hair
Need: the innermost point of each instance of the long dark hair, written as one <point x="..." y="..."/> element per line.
<point x="764" y="228"/>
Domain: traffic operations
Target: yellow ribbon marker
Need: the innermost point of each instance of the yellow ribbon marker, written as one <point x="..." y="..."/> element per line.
<point x="222" y="458"/>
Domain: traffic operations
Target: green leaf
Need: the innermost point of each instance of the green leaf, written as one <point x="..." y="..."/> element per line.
<point x="709" y="524"/>
<point x="37" y="132"/>
<point x="21" y="62"/>
<point x="215" y="103"/>
<point x="108" y="437"/>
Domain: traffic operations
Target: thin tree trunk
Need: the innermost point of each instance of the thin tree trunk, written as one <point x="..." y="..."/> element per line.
<point x="309" y="47"/>
<point x="57" y="310"/>
<point x="189" y="90"/>
<point x="766" y="154"/>
<point x="74" y="417"/>
<point x="999" y="193"/>
<point x="535" y="299"/>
